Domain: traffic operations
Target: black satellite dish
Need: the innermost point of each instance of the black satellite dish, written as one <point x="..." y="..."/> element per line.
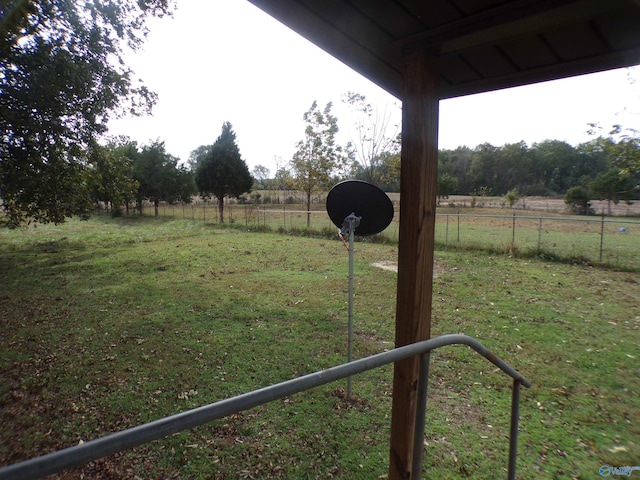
<point x="364" y="200"/>
<point x="357" y="208"/>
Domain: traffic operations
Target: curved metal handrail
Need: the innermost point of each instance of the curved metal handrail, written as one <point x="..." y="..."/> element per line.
<point x="132" y="437"/>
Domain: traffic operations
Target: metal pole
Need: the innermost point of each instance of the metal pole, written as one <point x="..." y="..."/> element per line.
<point x="421" y="410"/>
<point x="351" y="294"/>
<point x="513" y="435"/>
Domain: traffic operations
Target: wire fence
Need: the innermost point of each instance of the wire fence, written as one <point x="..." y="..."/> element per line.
<point x="612" y="241"/>
<point x="604" y="240"/>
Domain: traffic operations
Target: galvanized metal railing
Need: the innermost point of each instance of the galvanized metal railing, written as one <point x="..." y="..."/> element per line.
<point x="116" y="442"/>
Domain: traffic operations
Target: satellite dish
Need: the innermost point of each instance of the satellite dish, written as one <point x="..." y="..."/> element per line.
<point x="364" y="200"/>
<point x="357" y="208"/>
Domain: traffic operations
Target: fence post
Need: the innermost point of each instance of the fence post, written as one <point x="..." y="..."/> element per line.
<point x="446" y="235"/>
<point x="601" y="235"/>
<point x="513" y="229"/>
<point x="458" y="226"/>
<point x="539" y="233"/>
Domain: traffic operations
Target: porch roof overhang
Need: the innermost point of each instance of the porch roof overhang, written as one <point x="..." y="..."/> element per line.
<point x="479" y="45"/>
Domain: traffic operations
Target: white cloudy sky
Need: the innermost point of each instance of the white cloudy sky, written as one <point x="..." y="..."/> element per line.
<point x="226" y="60"/>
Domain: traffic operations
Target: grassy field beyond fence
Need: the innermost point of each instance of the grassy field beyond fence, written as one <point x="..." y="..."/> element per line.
<point x="612" y="241"/>
<point x="109" y="323"/>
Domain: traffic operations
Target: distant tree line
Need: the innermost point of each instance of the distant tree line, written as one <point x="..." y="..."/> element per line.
<point x="123" y="173"/>
<point x="605" y="168"/>
<point x="550" y="167"/>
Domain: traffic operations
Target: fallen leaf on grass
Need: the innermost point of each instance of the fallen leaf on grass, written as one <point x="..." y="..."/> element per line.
<point x="618" y="449"/>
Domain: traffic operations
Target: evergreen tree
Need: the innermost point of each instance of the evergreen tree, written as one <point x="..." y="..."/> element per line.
<point x="222" y="172"/>
<point x="578" y="201"/>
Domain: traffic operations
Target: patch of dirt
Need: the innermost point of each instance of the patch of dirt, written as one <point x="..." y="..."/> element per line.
<point x="345" y="403"/>
<point x="393" y="266"/>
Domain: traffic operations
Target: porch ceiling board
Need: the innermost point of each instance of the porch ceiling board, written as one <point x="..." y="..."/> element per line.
<point x="479" y="45"/>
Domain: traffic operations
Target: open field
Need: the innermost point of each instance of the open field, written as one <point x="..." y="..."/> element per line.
<point x="610" y="240"/>
<point x="109" y="323"/>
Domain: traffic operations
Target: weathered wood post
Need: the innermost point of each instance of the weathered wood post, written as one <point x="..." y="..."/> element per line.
<point x="418" y="183"/>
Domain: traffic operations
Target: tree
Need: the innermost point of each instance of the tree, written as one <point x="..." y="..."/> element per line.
<point x="111" y="176"/>
<point x="457" y="164"/>
<point x="512" y="197"/>
<point x="483" y="170"/>
<point x="61" y="79"/>
<point x="622" y="146"/>
<point x="282" y="179"/>
<point x="261" y="174"/>
<point x="317" y="155"/>
<point x="197" y="155"/>
<point x="375" y="135"/>
<point x="446" y="186"/>
<point x="556" y="167"/>
<point x="578" y="201"/>
<point x="391" y="171"/>
<point x="160" y="177"/>
<point x="512" y="167"/>
<point x="612" y="186"/>
<point x="223" y="172"/>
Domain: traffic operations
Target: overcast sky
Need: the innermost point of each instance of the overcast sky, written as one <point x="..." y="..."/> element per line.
<point x="226" y="60"/>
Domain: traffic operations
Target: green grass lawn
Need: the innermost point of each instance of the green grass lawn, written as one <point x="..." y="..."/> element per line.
<point x="110" y="323"/>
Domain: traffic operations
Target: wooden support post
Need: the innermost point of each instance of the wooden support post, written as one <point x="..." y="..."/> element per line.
<point x="418" y="183"/>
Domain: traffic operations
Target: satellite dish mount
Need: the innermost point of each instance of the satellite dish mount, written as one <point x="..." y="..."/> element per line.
<point x="357" y="208"/>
